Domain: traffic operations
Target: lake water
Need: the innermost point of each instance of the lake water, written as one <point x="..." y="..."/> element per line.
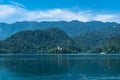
<point x="59" y="67"/>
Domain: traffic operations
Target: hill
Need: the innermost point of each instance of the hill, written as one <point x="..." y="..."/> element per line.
<point x="28" y="41"/>
<point x="110" y="46"/>
<point x="93" y="39"/>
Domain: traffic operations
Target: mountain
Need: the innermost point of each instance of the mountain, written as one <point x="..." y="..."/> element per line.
<point x="110" y="46"/>
<point x="92" y="39"/>
<point x="28" y="41"/>
<point x="72" y="28"/>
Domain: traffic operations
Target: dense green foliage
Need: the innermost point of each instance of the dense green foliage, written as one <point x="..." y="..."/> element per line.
<point x="38" y="41"/>
<point x="110" y="46"/>
<point x="93" y="39"/>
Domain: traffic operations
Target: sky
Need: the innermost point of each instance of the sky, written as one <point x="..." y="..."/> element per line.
<point x="59" y="10"/>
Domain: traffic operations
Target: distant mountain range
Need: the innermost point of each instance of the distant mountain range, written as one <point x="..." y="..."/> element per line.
<point x="72" y="28"/>
<point x="73" y="36"/>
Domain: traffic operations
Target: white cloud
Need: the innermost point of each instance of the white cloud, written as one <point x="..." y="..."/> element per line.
<point x="105" y="17"/>
<point x="12" y="13"/>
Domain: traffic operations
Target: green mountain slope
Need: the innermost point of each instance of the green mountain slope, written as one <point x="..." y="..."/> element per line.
<point x="92" y="39"/>
<point x="38" y="41"/>
<point x="110" y="46"/>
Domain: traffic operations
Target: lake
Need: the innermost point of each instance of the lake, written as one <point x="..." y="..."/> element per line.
<point x="59" y="67"/>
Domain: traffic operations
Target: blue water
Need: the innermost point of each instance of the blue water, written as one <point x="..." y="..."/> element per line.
<point x="59" y="67"/>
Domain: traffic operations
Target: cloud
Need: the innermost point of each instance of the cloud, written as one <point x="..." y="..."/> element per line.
<point x="16" y="4"/>
<point x="17" y="12"/>
<point x="58" y="14"/>
<point x="105" y="17"/>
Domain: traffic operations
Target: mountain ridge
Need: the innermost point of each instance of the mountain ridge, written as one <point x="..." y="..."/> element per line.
<point x="72" y="28"/>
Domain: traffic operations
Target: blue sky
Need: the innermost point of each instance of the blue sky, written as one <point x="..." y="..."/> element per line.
<point x="54" y="10"/>
<point x="83" y="4"/>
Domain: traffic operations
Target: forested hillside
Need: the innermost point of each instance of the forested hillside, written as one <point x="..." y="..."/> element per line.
<point x="48" y="40"/>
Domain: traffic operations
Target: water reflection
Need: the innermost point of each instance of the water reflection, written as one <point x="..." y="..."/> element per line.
<point x="59" y="65"/>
